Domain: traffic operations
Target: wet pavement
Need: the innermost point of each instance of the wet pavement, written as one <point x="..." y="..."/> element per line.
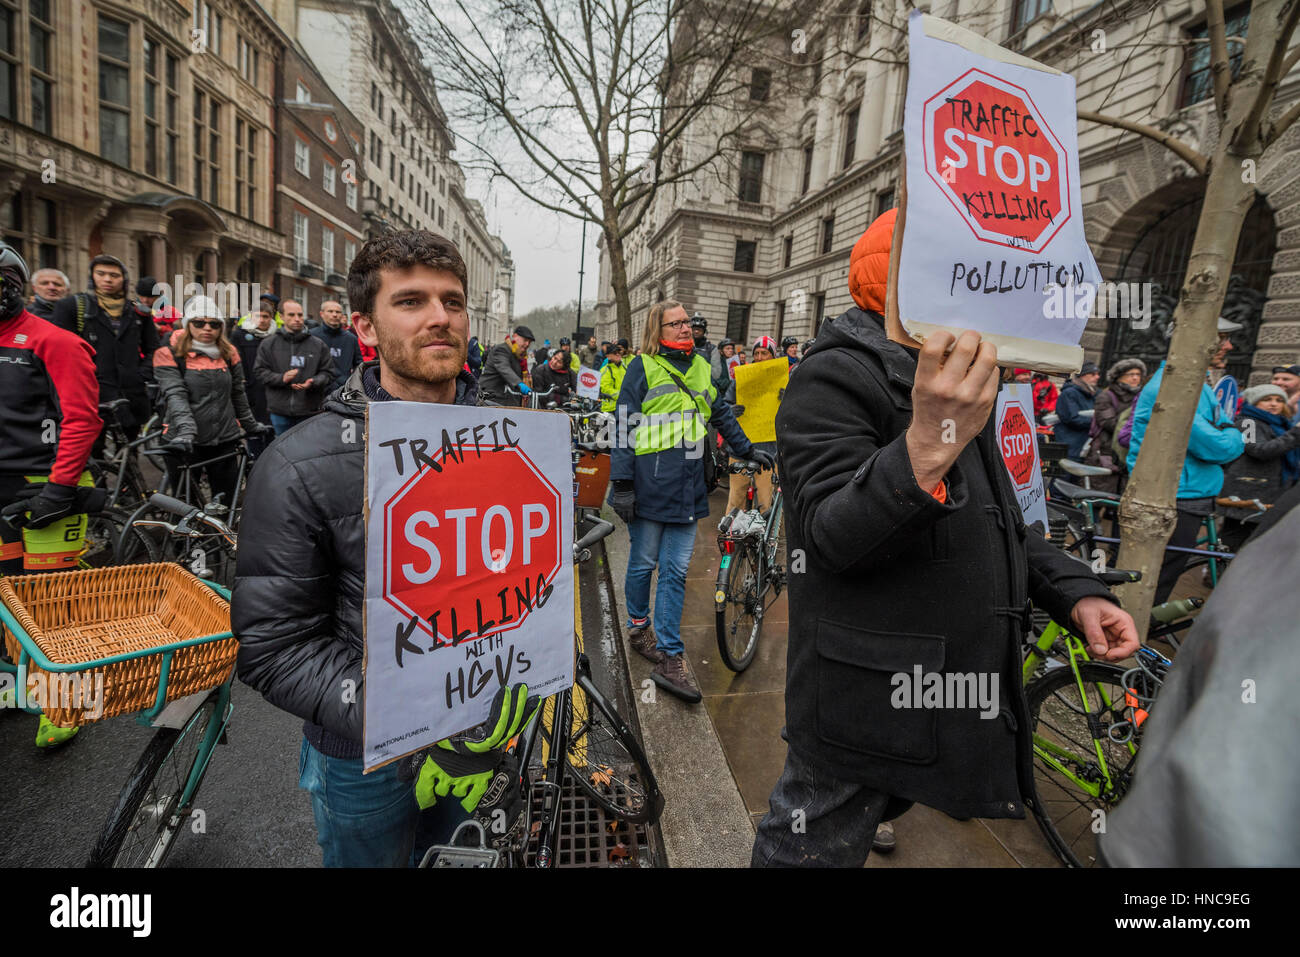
<point x="747" y="711"/>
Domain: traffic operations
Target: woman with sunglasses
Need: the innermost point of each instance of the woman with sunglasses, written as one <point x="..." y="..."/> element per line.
<point x="206" y="411"/>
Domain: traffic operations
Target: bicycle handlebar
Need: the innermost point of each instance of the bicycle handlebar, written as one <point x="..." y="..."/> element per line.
<point x="172" y="505"/>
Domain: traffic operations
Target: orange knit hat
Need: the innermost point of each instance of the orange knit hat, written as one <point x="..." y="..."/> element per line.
<point x="869" y="263"/>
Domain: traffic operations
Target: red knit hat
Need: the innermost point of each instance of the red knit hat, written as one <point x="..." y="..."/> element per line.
<point x="765" y="342"/>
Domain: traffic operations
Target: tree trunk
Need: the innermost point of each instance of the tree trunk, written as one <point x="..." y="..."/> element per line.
<point x="618" y="280"/>
<point x="1147" y="511"/>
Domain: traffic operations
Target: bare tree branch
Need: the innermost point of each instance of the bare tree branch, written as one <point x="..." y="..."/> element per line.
<point x="1251" y="129"/>
<point x="1194" y="159"/>
<point x="1220" y="70"/>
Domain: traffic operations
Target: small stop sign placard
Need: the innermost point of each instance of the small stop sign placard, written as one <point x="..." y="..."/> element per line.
<point x="469" y="567"/>
<point x="588" y="383"/>
<point x="992" y="153"/>
<point x="1017" y="442"/>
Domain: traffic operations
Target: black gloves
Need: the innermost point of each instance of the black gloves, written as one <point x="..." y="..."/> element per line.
<point x="737" y="410"/>
<point x="762" y="457"/>
<point x="623" y="500"/>
<point x="39" y="505"/>
<point x="177" y="447"/>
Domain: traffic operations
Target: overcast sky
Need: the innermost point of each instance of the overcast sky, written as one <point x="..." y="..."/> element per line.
<point x="544" y="246"/>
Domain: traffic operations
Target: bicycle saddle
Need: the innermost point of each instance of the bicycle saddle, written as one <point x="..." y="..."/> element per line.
<point x="1077" y="493"/>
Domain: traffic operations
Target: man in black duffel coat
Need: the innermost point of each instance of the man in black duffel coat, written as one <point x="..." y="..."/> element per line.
<point x="906" y="551"/>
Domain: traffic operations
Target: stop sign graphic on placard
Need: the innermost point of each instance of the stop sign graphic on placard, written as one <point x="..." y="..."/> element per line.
<point x="470" y="571"/>
<point x="989" y="150"/>
<point x="1016" y="441"/>
<point x="588" y="383"/>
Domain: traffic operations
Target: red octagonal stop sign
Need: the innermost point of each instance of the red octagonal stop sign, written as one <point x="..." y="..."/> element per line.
<point x="989" y="150"/>
<point x="472" y="549"/>
<point x="1016" y="440"/>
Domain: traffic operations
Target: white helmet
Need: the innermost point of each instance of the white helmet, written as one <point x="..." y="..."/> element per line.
<point x="202" y="307"/>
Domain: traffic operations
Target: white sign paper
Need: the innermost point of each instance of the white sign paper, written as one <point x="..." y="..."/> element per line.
<point x="993" y="237"/>
<point x="588" y="383"/>
<point x="1017" y="439"/>
<point x="469" y="567"/>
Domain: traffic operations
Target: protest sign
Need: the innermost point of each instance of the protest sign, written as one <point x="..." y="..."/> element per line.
<point x="588" y="383"/>
<point x="469" y="567"/>
<point x="1225" y="393"/>
<point x="1018" y="442"/>
<point x="991" y="223"/>
<point x="732" y="364"/>
<point x="759" y="387"/>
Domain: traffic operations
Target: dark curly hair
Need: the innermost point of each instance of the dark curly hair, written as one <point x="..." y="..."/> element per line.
<point x="400" y="250"/>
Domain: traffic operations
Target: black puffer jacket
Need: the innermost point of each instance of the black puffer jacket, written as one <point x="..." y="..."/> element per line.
<point x="895" y="580"/>
<point x="285" y="350"/>
<point x="297" y="603"/>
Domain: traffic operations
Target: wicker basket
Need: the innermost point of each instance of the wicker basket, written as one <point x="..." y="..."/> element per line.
<point x="82" y="616"/>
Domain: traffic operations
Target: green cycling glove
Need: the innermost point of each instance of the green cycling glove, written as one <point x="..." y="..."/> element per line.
<point x="464" y="767"/>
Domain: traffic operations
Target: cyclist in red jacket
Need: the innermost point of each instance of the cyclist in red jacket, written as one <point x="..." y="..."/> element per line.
<point x="50" y="397"/>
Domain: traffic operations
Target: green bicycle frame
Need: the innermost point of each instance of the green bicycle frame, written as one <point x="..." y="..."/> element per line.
<point x="1051" y="753"/>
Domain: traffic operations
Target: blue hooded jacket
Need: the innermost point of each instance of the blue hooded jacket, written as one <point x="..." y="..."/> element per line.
<point x="1213" y="443"/>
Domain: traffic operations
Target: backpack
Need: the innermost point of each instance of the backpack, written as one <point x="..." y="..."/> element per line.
<point x="1123" y="431"/>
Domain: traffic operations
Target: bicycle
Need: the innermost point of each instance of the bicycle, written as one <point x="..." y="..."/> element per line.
<point x="200" y="539"/>
<point x="583" y="738"/>
<point x="117" y="469"/>
<point x="158" y="797"/>
<point x="1085" y="718"/>
<point x="751" y="572"/>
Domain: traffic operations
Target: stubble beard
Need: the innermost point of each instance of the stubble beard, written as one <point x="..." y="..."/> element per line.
<point x="407" y="360"/>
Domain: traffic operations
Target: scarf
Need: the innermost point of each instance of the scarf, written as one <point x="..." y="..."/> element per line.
<point x="249" y="326"/>
<point x="112" y="305"/>
<point x="685" y="350"/>
<point x="1280" y="427"/>
<point x="208" y="349"/>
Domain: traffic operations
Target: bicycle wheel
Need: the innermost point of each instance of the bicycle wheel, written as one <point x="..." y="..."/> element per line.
<point x="136" y="545"/>
<point x="605" y="760"/>
<point x="142" y="826"/>
<point x="740" y="615"/>
<point x="1061" y="725"/>
<point x="103" y="530"/>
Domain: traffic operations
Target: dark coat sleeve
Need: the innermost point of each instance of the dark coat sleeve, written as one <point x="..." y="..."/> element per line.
<point x="849" y="476"/>
<point x="239" y="398"/>
<point x="1057" y="580"/>
<point x="1273" y="447"/>
<point x="326" y="372"/>
<point x="505" y="364"/>
<point x="281" y="610"/>
<point x="264" y="368"/>
<point x="724" y="420"/>
<point x="1069" y="405"/>
<point x="64" y="314"/>
<point x="630" y="397"/>
<point x="176" y="397"/>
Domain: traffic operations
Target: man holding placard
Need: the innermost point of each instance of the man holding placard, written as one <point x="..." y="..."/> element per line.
<point x="916" y="563"/>
<point x="297" y="603"/>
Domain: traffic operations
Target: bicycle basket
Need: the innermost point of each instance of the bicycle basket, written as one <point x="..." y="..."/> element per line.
<point x="79" y="617"/>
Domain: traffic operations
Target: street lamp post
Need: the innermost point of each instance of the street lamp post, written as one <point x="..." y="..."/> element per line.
<point x="582" y="258"/>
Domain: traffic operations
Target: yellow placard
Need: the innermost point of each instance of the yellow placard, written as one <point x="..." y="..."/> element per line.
<point x="759" y="387"/>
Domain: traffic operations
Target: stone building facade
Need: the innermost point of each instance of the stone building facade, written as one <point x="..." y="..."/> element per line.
<point x="409" y="178"/>
<point x="319" y="191"/>
<point x="142" y="130"/>
<point x="760" y="244"/>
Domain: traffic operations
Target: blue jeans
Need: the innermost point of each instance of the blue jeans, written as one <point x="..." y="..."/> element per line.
<point x="283" y="423"/>
<point x="817" y="820"/>
<point x="371" y="820"/>
<point x="668" y="545"/>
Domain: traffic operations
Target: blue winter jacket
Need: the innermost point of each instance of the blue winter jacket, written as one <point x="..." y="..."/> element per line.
<point x="1073" y="428"/>
<point x="669" y="485"/>
<point x="1213" y="443"/>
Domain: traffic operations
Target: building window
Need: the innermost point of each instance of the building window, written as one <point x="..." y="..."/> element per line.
<point x="207" y="146"/>
<point x="207" y="27"/>
<point x="851" y="135"/>
<point x="440" y="212"/>
<point x="171" y="146"/>
<point x="302" y="157"/>
<point x="302" y="94"/>
<point x="349" y="254"/>
<point x="350" y="194"/>
<point x="864" y="20"/>
<point x="245" y="168"/>
<point x="153" y="67"/>
<point x="327" y="248"/>
<point x="300" y="237"/>
<point x="884" y="201"/>
<point x="249" y="62"/>
<point x="41" y="61"/>
<point x="819" y="309"/>
<point x="114" y="91"/>
<point x="328" y="176"/>
<point x="751" y="177"/>
<point x="746" y="253"/>
<point x="738" y="321"/>
<point x="8" y="60"/>
<point x="780" y="320"/>
<point x="1027" y="11"/>
<point x="1198" y="82"/>
<point x="828" y="233"/>
<point x="300" y="296"/>
<point x="787" y="249"/>
<point x="760" y="84"/>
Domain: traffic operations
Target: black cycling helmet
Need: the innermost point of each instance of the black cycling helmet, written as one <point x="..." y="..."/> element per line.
<point x="789" y="341"/>
<point x="726" y="342"/>
<point x="13" y="281"/>
<point x="564" y="340"/>
<point x="699" y="322"/>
